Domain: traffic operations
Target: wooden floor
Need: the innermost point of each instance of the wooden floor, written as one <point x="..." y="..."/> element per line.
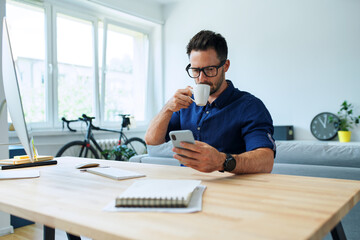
<point x="34" y="232"/>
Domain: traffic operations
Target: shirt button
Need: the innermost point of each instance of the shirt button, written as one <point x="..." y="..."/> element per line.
<point x="198" y="128"/>
<point x="207" y="112"/>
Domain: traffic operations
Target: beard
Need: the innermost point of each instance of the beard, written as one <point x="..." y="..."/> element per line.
<point x="217" y="84"/>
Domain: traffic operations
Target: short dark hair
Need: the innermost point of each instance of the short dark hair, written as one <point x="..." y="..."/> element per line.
<point x="205" y="40"/>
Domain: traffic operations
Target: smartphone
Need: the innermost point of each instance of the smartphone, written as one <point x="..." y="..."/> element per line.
<point x="181" y="136"/>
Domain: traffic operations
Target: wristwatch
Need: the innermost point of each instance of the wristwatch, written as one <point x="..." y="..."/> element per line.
<point x="229" y="164"/>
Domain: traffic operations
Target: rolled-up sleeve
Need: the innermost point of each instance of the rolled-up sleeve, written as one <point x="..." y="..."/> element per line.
<point x="258" y="129"/>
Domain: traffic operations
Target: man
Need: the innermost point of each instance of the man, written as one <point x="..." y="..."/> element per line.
<point x="234" y="130"/>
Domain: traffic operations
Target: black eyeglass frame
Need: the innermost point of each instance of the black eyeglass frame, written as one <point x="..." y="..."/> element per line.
<point x="222" y="63"/>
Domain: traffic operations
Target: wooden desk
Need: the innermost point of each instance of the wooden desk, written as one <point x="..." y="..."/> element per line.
<point x="258" y="206"/>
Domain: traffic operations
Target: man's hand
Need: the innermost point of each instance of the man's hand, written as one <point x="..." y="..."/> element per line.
<point x="181" y="99"/>
<point x="156" y="132"/>
<point x="205" y="158"/>
<point x="200" y="156"/>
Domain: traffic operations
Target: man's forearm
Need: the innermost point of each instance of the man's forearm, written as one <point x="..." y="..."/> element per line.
<point x="157" y="129"/>
<point x="156" y="132"/>
<point x="260" y="160"/>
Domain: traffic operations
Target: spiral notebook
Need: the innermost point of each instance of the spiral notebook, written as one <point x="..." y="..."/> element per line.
<point x="158" y="193"/>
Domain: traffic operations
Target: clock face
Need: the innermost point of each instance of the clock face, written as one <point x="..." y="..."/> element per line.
<point x="324" y="129"/>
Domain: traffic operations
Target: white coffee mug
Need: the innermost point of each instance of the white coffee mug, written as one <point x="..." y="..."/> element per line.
<point x="201" y="94"/>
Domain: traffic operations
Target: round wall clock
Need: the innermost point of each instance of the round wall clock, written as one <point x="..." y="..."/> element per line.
<point x="322" y="128"/>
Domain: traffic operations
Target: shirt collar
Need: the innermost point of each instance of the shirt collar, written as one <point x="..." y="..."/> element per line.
<point x="224" y="97"/>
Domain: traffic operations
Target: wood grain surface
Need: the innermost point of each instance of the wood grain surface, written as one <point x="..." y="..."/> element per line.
<point x="255" y="206"/>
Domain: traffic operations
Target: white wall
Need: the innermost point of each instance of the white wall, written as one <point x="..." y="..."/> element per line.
<point x="301" y="57"/>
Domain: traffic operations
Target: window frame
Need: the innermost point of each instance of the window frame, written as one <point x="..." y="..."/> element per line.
<point x="47" y="124"/>
<point x="55" y="73"/>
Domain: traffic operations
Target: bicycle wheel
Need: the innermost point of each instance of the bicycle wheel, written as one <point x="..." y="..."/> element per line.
<point x="77" y="149"/>
<point x="136" y="144"/>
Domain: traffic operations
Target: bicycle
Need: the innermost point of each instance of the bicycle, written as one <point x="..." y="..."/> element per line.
<point x="86" y="148"/>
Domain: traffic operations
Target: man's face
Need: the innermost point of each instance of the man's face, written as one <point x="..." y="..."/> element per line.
<point x="200" y="59"/>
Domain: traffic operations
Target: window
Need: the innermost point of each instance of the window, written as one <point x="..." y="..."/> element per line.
<point x="27" y="33"/>
<point x="73" y="62"/>
<point x="124" y="78"/>
<point x="75" y="59"/>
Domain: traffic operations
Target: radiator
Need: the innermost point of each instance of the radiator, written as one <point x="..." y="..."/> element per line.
<point x="106" y="144"/>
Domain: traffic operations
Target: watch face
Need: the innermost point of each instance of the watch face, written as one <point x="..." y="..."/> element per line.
<point x="324" y="126"/>
<point x="230" y="163"/>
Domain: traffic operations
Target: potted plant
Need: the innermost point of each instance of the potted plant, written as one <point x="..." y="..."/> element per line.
<point x="346" y="121"/>
<point x="119" y="153"/>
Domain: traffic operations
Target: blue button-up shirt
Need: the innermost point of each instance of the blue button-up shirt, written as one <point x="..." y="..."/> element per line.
<point x="234" y="123"/>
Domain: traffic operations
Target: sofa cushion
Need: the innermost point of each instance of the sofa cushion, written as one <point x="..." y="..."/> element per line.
<point x="145" y="158"/>
<point x="161" y="150"/>
<point x="161" y="160"/>
<point x="318" y="153"/>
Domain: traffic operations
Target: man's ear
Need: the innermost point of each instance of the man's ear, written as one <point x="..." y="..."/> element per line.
<point x="227" y="65"/>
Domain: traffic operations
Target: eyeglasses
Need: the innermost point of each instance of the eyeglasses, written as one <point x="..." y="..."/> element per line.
<point x="210" y="71"/>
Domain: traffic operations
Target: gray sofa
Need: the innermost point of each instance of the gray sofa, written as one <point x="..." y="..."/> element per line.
<point x="302" y="158"/>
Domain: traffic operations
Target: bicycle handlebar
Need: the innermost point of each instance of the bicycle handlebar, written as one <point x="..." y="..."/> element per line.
<point x="84" y="116"/>
<point x="88" y="120"/>
<point x="68" y="124"/>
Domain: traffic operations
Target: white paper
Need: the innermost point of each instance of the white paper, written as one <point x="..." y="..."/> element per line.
<point x="16" y="174"/>
<point x="195" y="205"/>
<point x="114" y="173"/>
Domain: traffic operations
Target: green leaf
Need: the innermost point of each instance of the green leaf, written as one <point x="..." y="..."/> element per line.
<point x="345" y="114"/>
<point x="120" y="153"/>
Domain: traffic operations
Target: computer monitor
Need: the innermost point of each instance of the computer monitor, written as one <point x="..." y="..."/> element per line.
<point x="12" y="94"/>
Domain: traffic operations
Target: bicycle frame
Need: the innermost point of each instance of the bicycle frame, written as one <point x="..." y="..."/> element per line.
<point x="89" y="143"/>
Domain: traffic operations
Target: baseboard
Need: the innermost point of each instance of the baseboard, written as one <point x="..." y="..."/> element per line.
<point x="6" y="230"/>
